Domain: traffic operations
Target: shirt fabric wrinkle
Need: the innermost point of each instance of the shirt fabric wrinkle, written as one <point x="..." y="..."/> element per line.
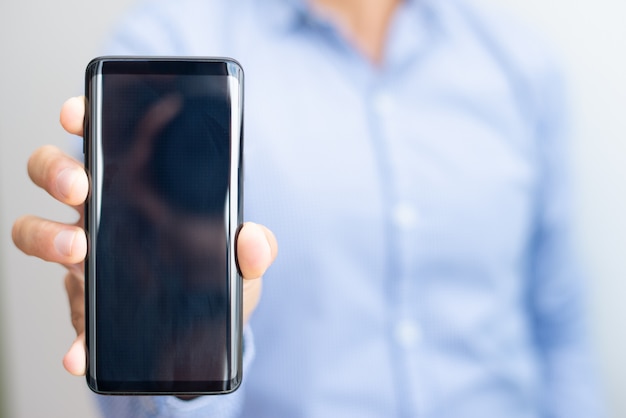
<point x="405" y="203"/>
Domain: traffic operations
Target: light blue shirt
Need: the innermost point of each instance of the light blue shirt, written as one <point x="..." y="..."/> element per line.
<point x="421" y="207"/>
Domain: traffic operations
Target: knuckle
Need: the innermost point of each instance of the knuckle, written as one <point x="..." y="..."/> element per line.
<point x="78" y="321"/>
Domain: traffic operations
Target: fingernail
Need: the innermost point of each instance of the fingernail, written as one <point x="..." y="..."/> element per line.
<point x="65" y="181"/>
<point x="64" y="241"/>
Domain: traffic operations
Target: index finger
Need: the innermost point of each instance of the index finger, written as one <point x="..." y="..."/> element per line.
<point x="59" y="174"/>
<point x="73" y="114"/>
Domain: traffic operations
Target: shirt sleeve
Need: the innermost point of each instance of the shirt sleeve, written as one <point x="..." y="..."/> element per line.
<point x="222" y="406"/>
<point x="557" y="289"/>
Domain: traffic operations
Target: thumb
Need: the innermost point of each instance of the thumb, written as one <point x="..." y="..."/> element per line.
<point x="256" y="250"/>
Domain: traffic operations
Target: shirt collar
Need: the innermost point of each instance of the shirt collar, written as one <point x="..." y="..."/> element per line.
<point x="415" y="26"/>
<point x="287" y="15"/>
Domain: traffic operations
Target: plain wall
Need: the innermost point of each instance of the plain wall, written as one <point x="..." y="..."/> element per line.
<point x="45" y="46"/>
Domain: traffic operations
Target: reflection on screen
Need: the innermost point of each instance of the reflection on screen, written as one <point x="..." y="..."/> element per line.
<point x="161" y="261"/>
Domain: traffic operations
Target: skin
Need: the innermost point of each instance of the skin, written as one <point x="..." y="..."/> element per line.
<point x="65" y="179"/>
<point x="364" y="23"/>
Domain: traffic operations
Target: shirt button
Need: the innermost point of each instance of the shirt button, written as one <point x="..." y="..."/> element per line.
<point x="407" y="333"/>
<point x="404" y="216"/>
<point x="383" y="103"/>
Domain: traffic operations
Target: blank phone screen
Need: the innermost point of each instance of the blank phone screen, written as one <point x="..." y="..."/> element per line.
<point x="163" y="294"/>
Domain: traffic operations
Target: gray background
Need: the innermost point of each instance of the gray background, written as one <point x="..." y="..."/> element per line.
<point x="44" y="47"/>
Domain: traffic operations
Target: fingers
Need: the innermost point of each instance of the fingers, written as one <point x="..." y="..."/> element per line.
<point x="256" y="250"/>
<point x="50" y="241"/>
<point x="75" y="360"/>
<point x="60" y="175"/>
<point x="73" y="115"/>
<point x="75" y="288"/>
<point x="65" y="179"/>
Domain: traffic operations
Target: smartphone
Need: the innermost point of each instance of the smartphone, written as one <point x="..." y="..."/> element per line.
<point x="163" y="151"/>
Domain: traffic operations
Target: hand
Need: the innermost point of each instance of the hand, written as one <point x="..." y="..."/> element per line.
<point x="65" y="179"/>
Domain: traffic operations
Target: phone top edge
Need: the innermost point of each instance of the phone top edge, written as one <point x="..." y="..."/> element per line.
<point x="206" y="58"/>
<point x="95" y="66"/>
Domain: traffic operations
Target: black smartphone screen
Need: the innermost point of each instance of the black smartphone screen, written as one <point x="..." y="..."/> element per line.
<point x="163" y="141"/>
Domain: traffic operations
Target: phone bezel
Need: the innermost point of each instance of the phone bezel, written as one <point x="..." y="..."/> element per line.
<point x="96" y="69"/>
